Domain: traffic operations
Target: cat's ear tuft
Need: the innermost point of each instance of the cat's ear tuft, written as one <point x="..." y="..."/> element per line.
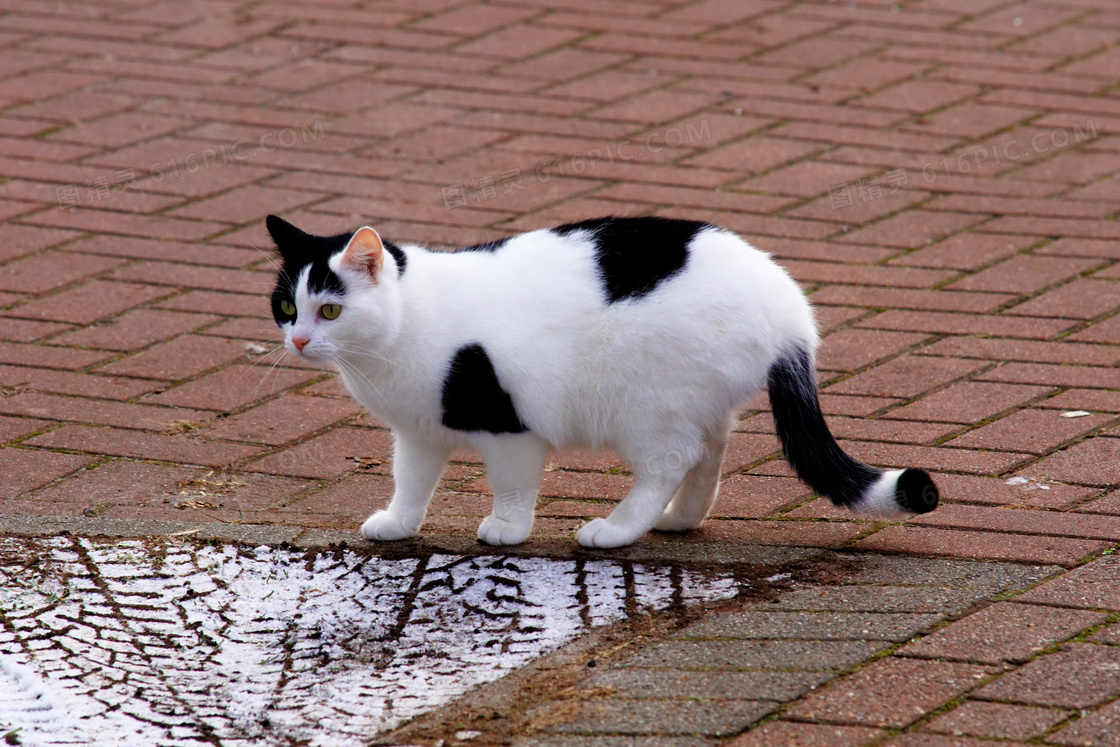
<point x="365" y="252"/>
<point x="284" y="233"/>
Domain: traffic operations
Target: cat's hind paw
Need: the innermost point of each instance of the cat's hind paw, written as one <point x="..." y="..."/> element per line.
<point x="497" y="531"/>
<point x="673" y="522"/>
<point x="384" y="527"/>
<point x="603" y="534"/>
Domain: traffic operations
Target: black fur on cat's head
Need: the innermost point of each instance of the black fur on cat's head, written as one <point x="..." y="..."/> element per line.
<point x="299" y="249"/>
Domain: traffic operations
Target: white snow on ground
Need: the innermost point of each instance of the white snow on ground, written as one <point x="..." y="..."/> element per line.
<point x="174" y="643"/>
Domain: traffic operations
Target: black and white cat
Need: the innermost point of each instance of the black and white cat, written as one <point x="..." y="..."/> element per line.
<point x="639" y="334"/>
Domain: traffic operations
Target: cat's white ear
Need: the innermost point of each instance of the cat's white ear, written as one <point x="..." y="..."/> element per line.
<point x="365" y="252"/>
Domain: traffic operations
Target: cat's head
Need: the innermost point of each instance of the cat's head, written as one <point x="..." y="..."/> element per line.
<point x="335" y="296"/>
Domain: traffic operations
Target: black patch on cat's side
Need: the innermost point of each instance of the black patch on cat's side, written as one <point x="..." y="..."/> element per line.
<point x="473" y="399"/>
<point x="806" y="441"/>
<point x="637" y="254"/>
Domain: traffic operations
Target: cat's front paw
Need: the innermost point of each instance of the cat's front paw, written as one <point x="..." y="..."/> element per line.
<point x="497" y="531"/>
<point x="384" y="527"/>
<point x="603" y="534"/>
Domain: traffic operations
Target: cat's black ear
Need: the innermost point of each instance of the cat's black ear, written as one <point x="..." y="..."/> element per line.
<point x="286" y="236"/>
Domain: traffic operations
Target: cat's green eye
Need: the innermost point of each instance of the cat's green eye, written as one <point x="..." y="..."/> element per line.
<point x="330" y="310"/>
<point x="288" y="308"/>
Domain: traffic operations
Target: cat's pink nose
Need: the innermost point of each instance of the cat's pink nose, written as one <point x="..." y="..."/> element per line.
<point x="299" y="342"/>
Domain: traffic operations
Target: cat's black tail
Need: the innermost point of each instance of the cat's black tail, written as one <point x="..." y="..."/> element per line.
<point x="822" y="464"/>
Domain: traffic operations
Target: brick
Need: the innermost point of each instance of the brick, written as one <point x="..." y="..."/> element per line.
<point x="913" y="229"/>
<point x="729" y="656"/>
<point x="1095" y="585"/>
<point x="140" y="445"/>
<point x="76" y="409"/>
<point x="925" y="300"/>
<point x="231" y="388"/>
<point x="991" y="545"/>
<point x="906" y="376"/>
<point x="806" y="179"/>
<point x="1106" y="504"/>
<point x="194" y="276"/>
<point x="353" y="499"/>
<point x="1003" y="632"/>
<point x="1011" y="492"/>
<point x="753" y="496"/>
<point x="754" y="155"/>
<point x="852" y="349"/>
<point x="1023" y="350"/>
<point x="816" y="53"/>
<point x="1054" y="375"/>
<point x="996" y="720"/>
<point x="1032" y="431"/>
<point x="1099" y="727"/>
<point x="12" y="429"/>
<point x="919" y="95"/>
<point x="818" y="626"/>
<point x="1081" y="299"/>
<point x="783" y="533"/>
<point x="1107" y="331"/>
<point x="214" y="302"/>
<point x="934" y="458"/>
<point x="334" y="453"/>
<point x="65" y="382"/>
<point x="1024" y="274"/>
<point x="655" y="107"/>
<point x="965" y="251"/>
<point x="1076" y="247"/>
<point x="128" y="484"/>
<point x="707" y="685"/>
<point x="797" y="734"/>
<point x="180" y="358"/>
<point x="88" y="302"/>
<point x="663" y="717"/>
<point x="1092" y="462"/>
<point x="25" y="469"/>
<point x="573" y="485"/>
<point x="969" y="402"/>
<point x="47" y="357"/>
<point x="891" y="692"/>
<point x="892" y="431"/>
<point x="285" y="419"/>
<point x="25" y="330"/>
<point x="968" y="324"/>
<point x="1079" y="676"/>
<point x="43" y="272"/>
<point x="135" y="329"/>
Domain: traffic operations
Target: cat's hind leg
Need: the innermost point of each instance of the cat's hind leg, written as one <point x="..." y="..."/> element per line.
<point x="513" y="466"/>
<point x="417" y="466"/>
<point x="658" y="474"/>
<point x="695" y="496"/>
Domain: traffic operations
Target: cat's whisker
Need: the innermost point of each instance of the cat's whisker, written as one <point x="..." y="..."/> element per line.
<point x="355" y="371"/>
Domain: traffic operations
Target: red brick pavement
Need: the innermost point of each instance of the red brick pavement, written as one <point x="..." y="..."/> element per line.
<point x="940" y="175"/>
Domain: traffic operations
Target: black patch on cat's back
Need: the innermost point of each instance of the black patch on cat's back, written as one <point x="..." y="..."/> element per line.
<point x="489" y="246"/>
<point x="398" y="255"/>
<point x="635" y="255"/>
<point x="473" y="398"/>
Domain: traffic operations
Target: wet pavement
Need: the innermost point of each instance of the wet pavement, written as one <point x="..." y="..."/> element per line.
<point x="174" y="642"/>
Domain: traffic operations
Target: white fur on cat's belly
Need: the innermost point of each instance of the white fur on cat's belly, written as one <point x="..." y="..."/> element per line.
<point x="646" y="376"/>
<point x="879" y="499"/>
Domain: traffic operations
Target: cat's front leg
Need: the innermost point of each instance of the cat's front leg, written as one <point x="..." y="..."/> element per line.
<point x="417" y="466"/>
<point x="513" y="466"/>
